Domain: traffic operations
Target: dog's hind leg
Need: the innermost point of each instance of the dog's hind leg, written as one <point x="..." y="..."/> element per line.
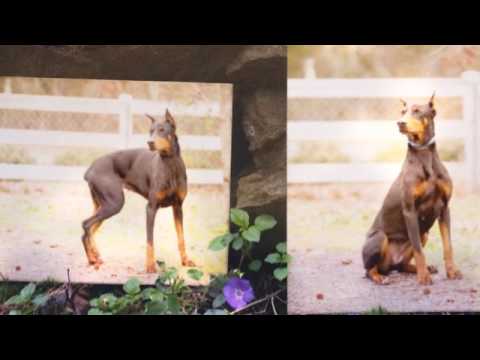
<point x="108" y="200"/>
<point x="375" y="257"/>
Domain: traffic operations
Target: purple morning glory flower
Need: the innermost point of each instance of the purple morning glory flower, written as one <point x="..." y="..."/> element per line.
<point x="238" y="293"/>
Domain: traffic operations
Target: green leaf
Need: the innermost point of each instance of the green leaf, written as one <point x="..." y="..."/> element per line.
<point x="96" y="312"/>
<point x="265" y="222"/>
<point x="252" y="234"/>
<point x="153" y="294"/>
<point x="281" y="273"/>
<point x="217" y="312"/>
<point x="286" y="258"/>
<point x="218" y="244"/>
<point x="40" y="300"/>
<point x="195" y="274"/>
<point x="173" y="305"/>
<point x="15" y="312"/>
<point x="274" y="258"/>
<point x="156" y="308"/>
<point x="15" y="300"/>
<point x="94" y="303"/>
<point x="237" y="243"/>
<point x="255" y="265"/>
<point x="219" y="301"/>
<point x="27" y="292"/>
<point x="107" y="301"/>
<point x="132" y="286"/>
<point x="282" y="247"/>
<point x="240" y="218"/>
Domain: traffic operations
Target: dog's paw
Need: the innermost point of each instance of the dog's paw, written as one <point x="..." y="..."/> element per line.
<point x="432" y="269"/>
<point x="424" y="279"/>
<point x="454" y="274"/>
<point x="188" y="263"/>
<point x="381" y="280"/>
<point x="151" y="269"/>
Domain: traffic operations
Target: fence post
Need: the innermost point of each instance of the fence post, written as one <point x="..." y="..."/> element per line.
<point x="471" y="114"/>
<point x="125" y="128"/>
<point x="7" y="89"/>
<point x="309" y="69"/>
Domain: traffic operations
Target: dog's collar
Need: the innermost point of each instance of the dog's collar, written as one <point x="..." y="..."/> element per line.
<point x="422" y="147"/>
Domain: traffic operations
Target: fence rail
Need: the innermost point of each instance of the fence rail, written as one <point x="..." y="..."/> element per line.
<point x="125" y="108"/>
<point x="468" y="128"/>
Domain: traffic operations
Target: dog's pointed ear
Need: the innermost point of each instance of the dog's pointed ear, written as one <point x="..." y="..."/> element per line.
<point x="431" y="103"/>
<point x="169" y="118"/>
<point x="152" y="119"/>
<point x="404" y="103"/>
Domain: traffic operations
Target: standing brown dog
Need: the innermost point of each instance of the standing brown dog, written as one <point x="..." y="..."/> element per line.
<point x="158" y="174"/>
<point x="418" y="197"/>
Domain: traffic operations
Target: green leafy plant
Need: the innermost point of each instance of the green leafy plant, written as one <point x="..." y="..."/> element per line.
<point x="377" y="311"/>
<point x="26" y="302"/>
<point x="281" y="258"/>
<point x="247" y="235"/>
<point x="169" y="296"/>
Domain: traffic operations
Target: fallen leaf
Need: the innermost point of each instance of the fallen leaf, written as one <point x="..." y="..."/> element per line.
<point x="36" y="242"/>
<point x="347" y="262"/>
<point x="473" y="290"/>
<point x="450" y="301"/>
<point x="53" y="246"/>
<point x="18" y="268"/>
<point x="426" y="291"/>
<point x="320" y="296"/>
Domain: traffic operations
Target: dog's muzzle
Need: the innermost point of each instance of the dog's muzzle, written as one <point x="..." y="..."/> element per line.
<point x="402" y="126"/>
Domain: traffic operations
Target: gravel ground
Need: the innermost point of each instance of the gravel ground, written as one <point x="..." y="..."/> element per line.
<point x="327" y="227"/>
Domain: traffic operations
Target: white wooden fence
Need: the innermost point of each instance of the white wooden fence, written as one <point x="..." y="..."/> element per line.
<point x="125" y="107"/>
<point x="468" y="129"/>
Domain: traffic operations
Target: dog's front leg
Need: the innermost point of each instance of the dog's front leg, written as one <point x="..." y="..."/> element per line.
<point x="444" y="224"/>
<point x="413" y="229"/>
<point x="151" y="213"/>
<point x="178" y="217"/>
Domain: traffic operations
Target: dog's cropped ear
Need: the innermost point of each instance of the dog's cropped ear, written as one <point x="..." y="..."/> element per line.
<point x="169" y="118"/>
<point x="404" y="103"/>
<point x="152" y="119"/>
<point x="431" y="102"/>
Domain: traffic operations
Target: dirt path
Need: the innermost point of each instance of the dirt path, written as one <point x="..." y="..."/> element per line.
<point x="326" y="231"/>
<point x="40" y="232"/>
<point x="335" y="283"/>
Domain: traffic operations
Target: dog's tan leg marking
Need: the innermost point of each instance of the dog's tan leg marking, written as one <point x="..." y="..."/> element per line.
<point x="150" y="258"/>
<point x="178" y="217"/>
<point x="385" y="257"/>
<point x="375" y="276"/>
<point x="423" y="275"/>
<point x="450" y="267"/>
<point x="91" y="249"/>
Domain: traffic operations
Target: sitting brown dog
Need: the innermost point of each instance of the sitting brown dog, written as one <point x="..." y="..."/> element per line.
<point x="418" y="197"/>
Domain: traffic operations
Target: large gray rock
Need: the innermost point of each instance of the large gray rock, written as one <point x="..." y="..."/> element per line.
<point x="264" y="116"/>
